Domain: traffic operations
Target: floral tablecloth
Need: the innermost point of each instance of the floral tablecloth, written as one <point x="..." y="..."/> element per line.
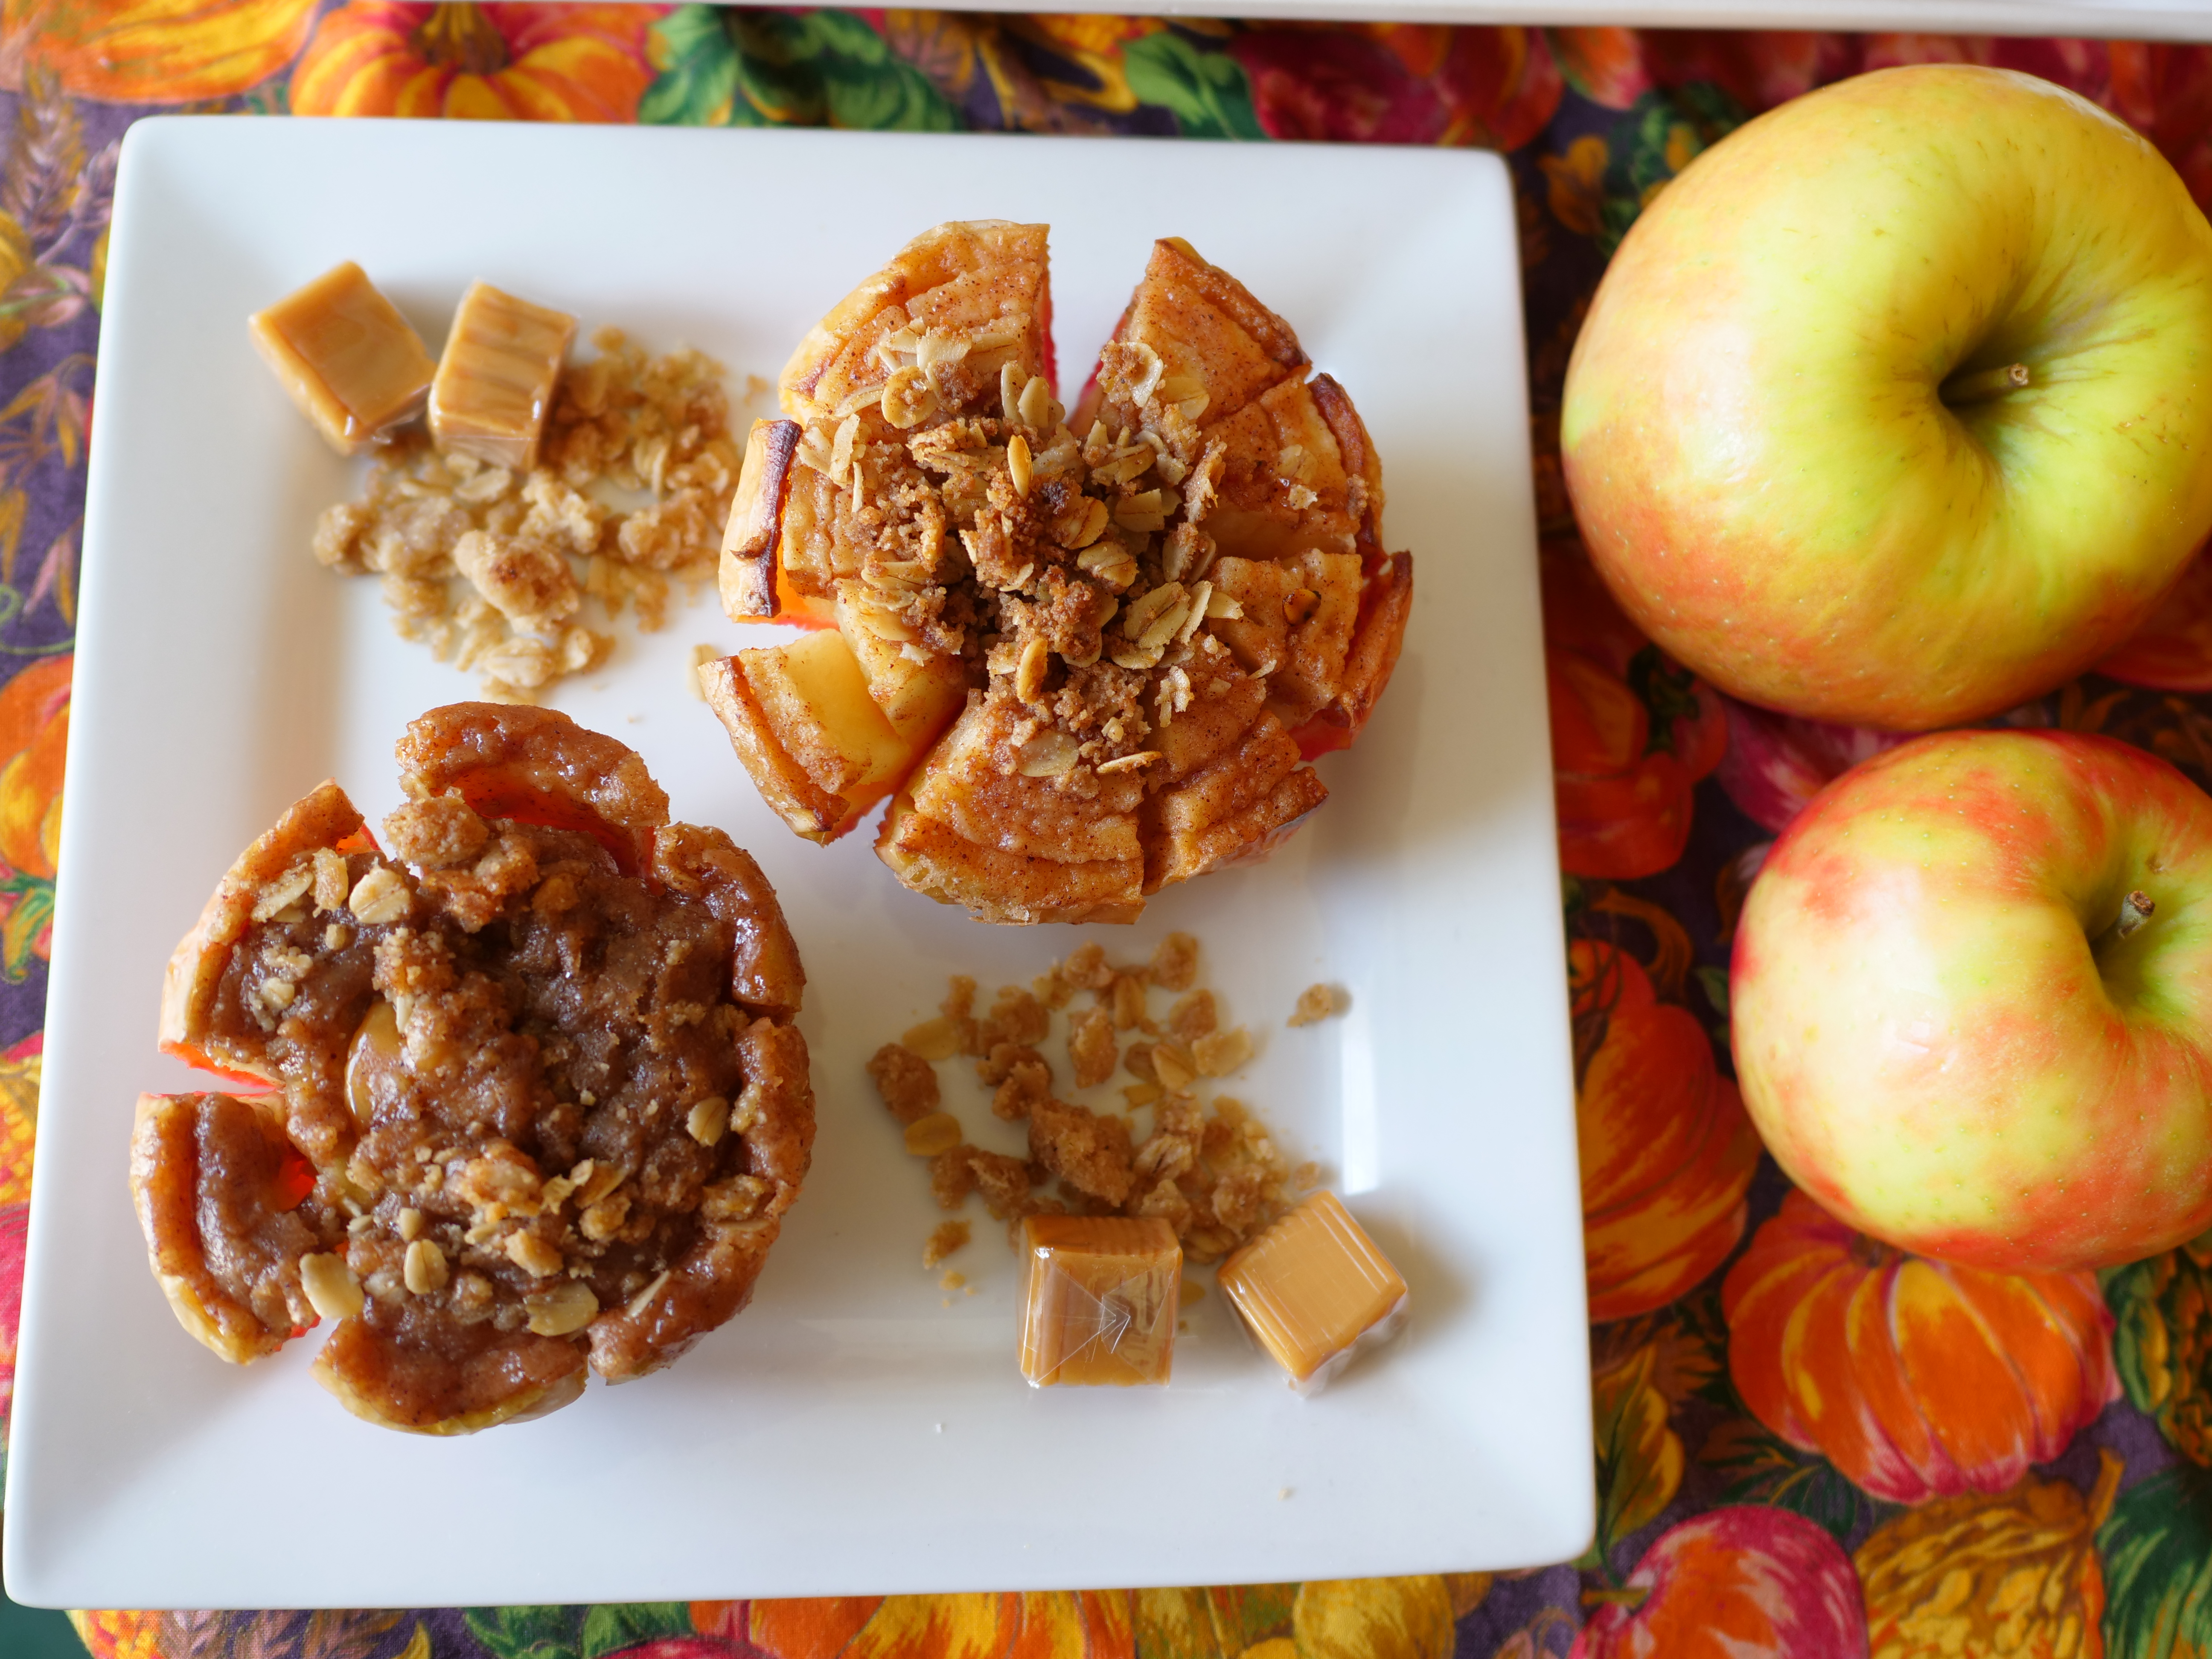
<point x="1990" y="1465"/>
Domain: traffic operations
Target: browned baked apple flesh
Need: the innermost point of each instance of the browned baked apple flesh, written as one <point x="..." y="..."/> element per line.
<point x="539" y="1107"/>
<point x="515" y="762"/>
<point x="825" y="736"/>
<point x="1139" y="623"/>
<point x="234" y="1281"/>
<point x="747" y="569"/>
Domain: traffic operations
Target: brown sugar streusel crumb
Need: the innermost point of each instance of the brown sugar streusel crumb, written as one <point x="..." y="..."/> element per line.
<point x="949" y="1236"/>
<point x="1209" y="1168"/>
<point x="538" y="1102"/>
<point x="492" y="568"/>
<point x="1316" y="1004"/>
<point x="904" y="1080"/>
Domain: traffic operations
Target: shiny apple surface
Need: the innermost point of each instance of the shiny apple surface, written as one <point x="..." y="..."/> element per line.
<point x="1795" y="430"/>
<point x="1971" y="1001"/>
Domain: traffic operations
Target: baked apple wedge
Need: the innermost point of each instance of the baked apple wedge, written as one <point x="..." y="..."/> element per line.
<point x="532" y="1102"/>
<point x="1085" y="657"/>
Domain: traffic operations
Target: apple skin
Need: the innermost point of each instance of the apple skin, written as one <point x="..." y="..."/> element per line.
<point x="1752" y="434"/>
<point x="1927" y="1041"/>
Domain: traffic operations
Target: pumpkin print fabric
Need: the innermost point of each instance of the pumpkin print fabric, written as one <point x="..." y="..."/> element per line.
<point x="534" y="62"/>
<point x="1806" y="1443"/>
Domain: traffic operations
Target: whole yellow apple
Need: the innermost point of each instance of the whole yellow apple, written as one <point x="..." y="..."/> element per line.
<point x="1895" y="408"/>
<point x="1970" y="1001"/>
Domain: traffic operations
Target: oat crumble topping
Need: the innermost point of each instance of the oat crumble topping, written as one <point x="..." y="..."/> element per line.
<point x="491" y="568"/>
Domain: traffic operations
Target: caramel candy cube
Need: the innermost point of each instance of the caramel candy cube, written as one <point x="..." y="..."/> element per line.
<point x="1312" y="1287"/>
<point x="346" y="356"/>
<point x="494" y="384"/>
<point x="1100" y="1295"/>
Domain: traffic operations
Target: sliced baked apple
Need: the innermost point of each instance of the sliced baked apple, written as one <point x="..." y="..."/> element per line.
<point x="747" y="569"/>
<point x="963" y="301"/>
<point x="1139" y="623"/>
<point x="805" y="720"/>
<point x="918" y="690"/>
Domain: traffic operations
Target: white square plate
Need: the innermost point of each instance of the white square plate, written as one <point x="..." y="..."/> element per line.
<point x="850" y="1432"/>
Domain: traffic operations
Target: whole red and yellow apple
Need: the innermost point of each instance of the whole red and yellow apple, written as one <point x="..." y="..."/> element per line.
<point x="1971" y="1001"/>
<point x="1795" y="429"/>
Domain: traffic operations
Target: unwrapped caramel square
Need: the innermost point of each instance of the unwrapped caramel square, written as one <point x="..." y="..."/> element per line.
<point x="1311" y="1287"/>
<point x="496" y="381"/>
<point x="1100" y="1296"/>
<point x="346" y="356"/>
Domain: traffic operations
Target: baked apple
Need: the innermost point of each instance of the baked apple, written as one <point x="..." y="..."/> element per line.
<point x="1085" y="657"/>
<point x="531" y="1102"/>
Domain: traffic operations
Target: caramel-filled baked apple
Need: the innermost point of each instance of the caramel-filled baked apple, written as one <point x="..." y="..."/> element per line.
<point x="529" y="1100"/>
<point x="1085" y="656"/>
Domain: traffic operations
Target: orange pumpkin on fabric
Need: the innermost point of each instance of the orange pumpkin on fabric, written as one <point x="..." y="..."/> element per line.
<point x="1667" y="1153"/>
<point x="159" y="52"/>
<point x="2014" y="1572"/>
<point x="1917" y="1378"/>
<point x="33" y="739"/>
<point x="1623" y="781"/>
<point x="21" y="1070"/>
<point x="1062" y="1625"/>
<point x="1604" y="63"/>
<point x="121" y="1633"/>
<point x="528" y="62"/>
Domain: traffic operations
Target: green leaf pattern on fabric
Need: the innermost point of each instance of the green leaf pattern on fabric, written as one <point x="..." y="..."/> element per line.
<point x="1176" y="1624"/>
<point x="1207" y="91"/>
<point x="2157" y="1551"/>
<point x="1245" y="1615"/>
<point x="576" y="1633"/>
<point x="1661" y="134"/>
<point x="698" y="85"/>
<point x="734" y="66"/>
<point x="1639" y="1455"/>
<point x="528" y="1633"/>
<point x="612" y="1628"/>
<point x="1760" y="1467"/>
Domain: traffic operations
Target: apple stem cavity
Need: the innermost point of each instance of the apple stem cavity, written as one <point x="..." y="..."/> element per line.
<point x="1985" y="384"/>
<point x="2135" y="909"/>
